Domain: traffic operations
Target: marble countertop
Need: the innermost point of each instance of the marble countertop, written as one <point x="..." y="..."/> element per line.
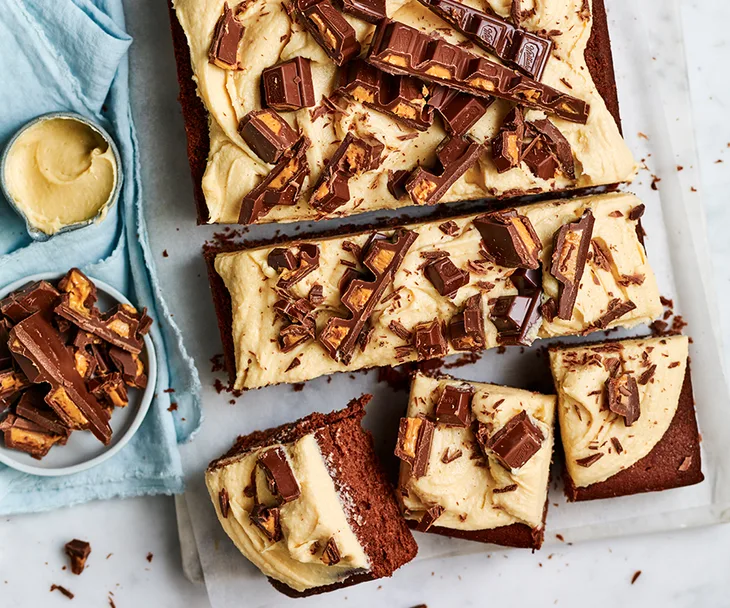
<point x="136" y="554"/>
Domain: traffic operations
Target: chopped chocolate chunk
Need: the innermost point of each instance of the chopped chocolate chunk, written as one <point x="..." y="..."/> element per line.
<point x="648" y="375"/>
<point x="224" y="502"/>
<point x="316" y="294"/>
<point x="382" y="257"/>
<point x="281" y="258"/>
<point x="355" y="155"/>
<point x="429" y="518"/>
<point x="429" y="340"/>
<point x="279" y="475"/>
<point x="27" y="436"/>
<point x="280" y="187"/>
<point x="62" y="590"/>
<point x="288" y="85"/>
<point x="616" y="309"/>
<point x="397" y="183"/>
<point x="329" y="28"/>
<point x="589" y="460"/>
<point x="268" y="520"/>
<point x="109" y="390"/>
<point x="331" y="553"/>
<point x="294" y="334"/>
<point x="78" y="551"/>
<point x="32" y="406"/>
<point x="570" y="251"/>
<point x="400" y="49"/>
<point x="130" y="366"/>
<point x="459" y="111"/>
<point x="307" y="262"/>
<point x="454" y="406"/>
<point x="516" y="442"/>
<point x="45" y="359"/>
<point x="399" y="330"/>
<point x="637" y="212"/>
<point x="450" y="455"/>
<point x="415" y="437"/>
<point x="454" y="157"/>
<point x="509" y="238"/>
<point x="556" y="144"/>
<point x="446" y="277"/>
<point x="40" y="296"/>
<point x="507" y="144"/>
<point x="617" y="445"/>
<point x="371" y="11"/>
<point x="514" y="45"/>
<point x="227" y="36"/>
<point x="623" y="397"/>
<point x="401" y="97"/>
<point x="449" y="228"/>
<point x="527" y="280"/>
<point x="515" y="316"/>
<point x="466" y="328"/>
<point x="12" y="382"/>
<point x="267" y="134"/>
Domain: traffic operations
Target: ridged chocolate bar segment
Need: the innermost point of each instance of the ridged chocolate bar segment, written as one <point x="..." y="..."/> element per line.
<point x="401" y="97"/>
<point x="39" y="345"/>
<point x="280" y="187"/>
<point x="382" y="257"/>
<point x="372" y="11"/>
<point x="227" y="36"/>
<point x="524" y="50"/>
<point x="288" y="86"/>
<point x="400" y="49"/>
<point x="455" y="156"/>
<point x="459" y="111"/>
<point x="329" y="28"/>
<point x="267" y="134"/>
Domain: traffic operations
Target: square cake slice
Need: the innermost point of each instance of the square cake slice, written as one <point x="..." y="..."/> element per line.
<point x="309" y="504"/>
<point x="475" y="461"/>
<point x="627" y="417"/>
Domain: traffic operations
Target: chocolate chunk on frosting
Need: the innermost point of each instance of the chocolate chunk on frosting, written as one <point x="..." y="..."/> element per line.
<point x="429" y="340"/>
<point x="454" y="406"/>
<point x="516" y="442"/>
<point x="459" y="111"/>
<point x="371" y="11"/>
<point x="279" y="475"/>
<point x="515" y="316"/>
<point x="570" y="251"/>
<point x="226" y="38"/>
<point x="446" y="277"/>
<point x="267" y="134"/>
<point x="415" y="438"/>
<point x="466" y="328"/>
<point x="622" y="396"/>
<point x="268" y="520"/>
<point x="329" y="28"/>
<point x="288" y="85"/>
<point x="509" y="238"/>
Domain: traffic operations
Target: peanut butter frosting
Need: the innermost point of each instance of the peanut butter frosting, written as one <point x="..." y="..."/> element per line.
<point x="475" y="496"/>
<point x="272" y="35"/>
<point x="597" y="442"/>
<point x="411" y="299"/>
<point x="317" y="516"/>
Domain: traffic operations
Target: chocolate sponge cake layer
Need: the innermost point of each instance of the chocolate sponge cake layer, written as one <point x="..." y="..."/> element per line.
<point x="372" y="508"/>
<point x="673" y="463"/>
<point x="598" y="58"/>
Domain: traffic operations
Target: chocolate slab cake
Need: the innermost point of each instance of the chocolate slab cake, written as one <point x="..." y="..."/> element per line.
<point x="292" y="311"/>
<point x="627" y="417"/>
<point x="309" y="504"/>
<point x="475" y="461"/>
<point x="441" y="101"/>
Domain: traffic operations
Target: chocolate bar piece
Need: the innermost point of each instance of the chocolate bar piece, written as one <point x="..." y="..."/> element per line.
<point x="78" y="552"/>
<point x="307" y="262"/>
<point x="570" y="252"/>
<point x="401" y="97"/>
<point x="397" y="182"/>
<point x="371" y="11"/>
<point x="516" y="442"/>
<point x="109" y="390"/>
<point x="12" y="382"/>
<point x="515" y="316"/>
<point x="524" y="50"/>
<point x="32" y="406"/>
<point x="279" y="475"/>
<point x="130" y="366"/>
<point x="267" y="134"/>
<point x="40" y="296"/>
<point x="288" y="86"/>
<point x="526" y="280"/>
<point x="280" y="187"/>
<point x="556" y="144"/>
<point x="507" y="144"/>
<point x="26" y="436"/>
<point x="268" y="520"/>
<point x="454" y="156"/>
<point x="459" y="111"/>
<point x="45" y="359"/>
<point x="400" y="49"/>
<point x="454" y="406"/>
<point x="282" y="258"/>
<point x="446" y="277"/>
<point x="415" y="438"/>
<point x="227" y="36"/>
<point x="353" y="156"/>
<point x="329" y="28"/>
<point x="382" y="257"/>
<point x="622" y="395"/>
<point x="466" y="328"/>
<point x="429" y="340"/>
<point x="6" y="359"/>
<point x="509" y="238"/>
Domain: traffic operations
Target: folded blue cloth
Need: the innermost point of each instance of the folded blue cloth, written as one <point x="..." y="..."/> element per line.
<point x="72" y="55"/>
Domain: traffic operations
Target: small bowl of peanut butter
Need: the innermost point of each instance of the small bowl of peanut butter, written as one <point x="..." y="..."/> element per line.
<point x="61" y="172"/>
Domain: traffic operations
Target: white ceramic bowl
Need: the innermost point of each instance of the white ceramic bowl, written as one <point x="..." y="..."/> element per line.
<point x="84" y="451"/>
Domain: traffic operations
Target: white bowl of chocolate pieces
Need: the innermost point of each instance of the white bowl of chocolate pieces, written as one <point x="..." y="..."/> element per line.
<point x="77" y="372"/>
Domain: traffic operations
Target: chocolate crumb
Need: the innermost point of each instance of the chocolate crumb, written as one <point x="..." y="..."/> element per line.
<point x="298" y="387"/>
<point x="637" y="574"/>
<point x="63" y="590"/>
<point x="165" y="254"/>
<point x="510" y="488"/>
<point x="173" y="407"/>
<point x="150" y="556"/>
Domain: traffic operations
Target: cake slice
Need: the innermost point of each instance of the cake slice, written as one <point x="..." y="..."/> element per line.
<point x="309" y="504"/>
<point x="627" y="417"/>
<point x="475" y="461"/>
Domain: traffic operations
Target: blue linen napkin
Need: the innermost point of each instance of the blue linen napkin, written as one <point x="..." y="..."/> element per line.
<point x="72" y="55"/>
